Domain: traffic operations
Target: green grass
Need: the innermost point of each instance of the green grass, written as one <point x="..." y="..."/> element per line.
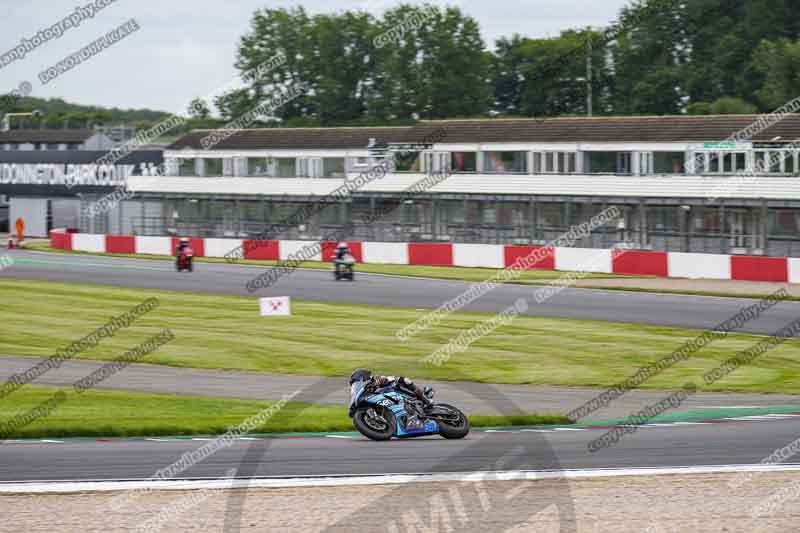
<point x="436" y="272"/>
<point x="99" y="413"/>
<point x="227" y="332"/>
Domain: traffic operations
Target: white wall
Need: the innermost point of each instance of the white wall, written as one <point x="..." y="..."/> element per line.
<point x="33" y="211"/>
<point x="87" y="242"/>
<point x="220" y="247"/>
<point x="696" y="266"/>
<point x="794" y="270"/>
<point x="479" y="255"/>
<point x="305" y="248"/>
<point x="154" y="245"/>
<point x="584" y="259"/>
<point x="393" y="253"/>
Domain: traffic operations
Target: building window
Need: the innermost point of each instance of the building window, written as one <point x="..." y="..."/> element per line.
<point x="360" y="161"/>
<point x="537" y="162"/>
<point x="13" y="146"/>
<point x="333" y="167"/>
<point x="73" y="146"/>
<point x="505" y="162"/>
<point x="285" y="167"/>
<point x="407" y="161"/>
<point x="213" y="166"/>
<point x="464" y="161"/>
<point x="760" y="162"/>
<point x="739" y="162"/>
<point x="258" y="166"/>
<point x="52" y="146"/>
<point x="549" y="162"/>
<point x="186" y="167"/>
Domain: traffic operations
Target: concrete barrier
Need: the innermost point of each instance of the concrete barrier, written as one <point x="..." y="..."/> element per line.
<point x="672" y="264"/>
<point x="699" y="266"/>
<point x="303" y="250"/>
<point x="385" y="252"/>
<point x="88" y="242"/>
<point x="794" y="270"/>
<point x="584" y="259"/>
<point x="154" y="245"/>
<point x="479" y="255"/>
<point x="220" y="247"/>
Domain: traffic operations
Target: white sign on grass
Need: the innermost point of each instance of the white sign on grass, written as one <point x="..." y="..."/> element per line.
<point x="276" y="306"/>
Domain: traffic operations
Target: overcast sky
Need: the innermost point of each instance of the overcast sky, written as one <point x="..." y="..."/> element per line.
<point x="186" y="48"/>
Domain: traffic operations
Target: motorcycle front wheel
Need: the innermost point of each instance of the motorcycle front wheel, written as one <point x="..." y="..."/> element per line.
<point x="453" y="424"/>
<point x="376" y="423"/>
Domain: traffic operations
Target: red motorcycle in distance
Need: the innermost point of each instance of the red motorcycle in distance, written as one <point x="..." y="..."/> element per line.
<point x="185" y="259"/>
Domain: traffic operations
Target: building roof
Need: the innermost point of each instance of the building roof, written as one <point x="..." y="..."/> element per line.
<point x="700" y="187"/>
<point x="678" y="128"/>
<point x="45" y="136"/>
<point x="662" y="187"/>
<point x="297" y="138"/>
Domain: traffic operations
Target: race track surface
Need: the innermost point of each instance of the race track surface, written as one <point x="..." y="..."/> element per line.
<point x="690" y="445"/>
<point x="473" y="398"/>
<point x="696" y="312"/>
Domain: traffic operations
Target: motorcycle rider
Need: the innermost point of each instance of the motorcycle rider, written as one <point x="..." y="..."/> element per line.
<point x="401" y="382"/>
<point x="342" y="251"/>
<point x="183" y="243"/>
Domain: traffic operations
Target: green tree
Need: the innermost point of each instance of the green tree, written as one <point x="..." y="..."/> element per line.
<point x="729" y="105"/>
<point x="198" y="108"/>
<point x="779" y="64"/>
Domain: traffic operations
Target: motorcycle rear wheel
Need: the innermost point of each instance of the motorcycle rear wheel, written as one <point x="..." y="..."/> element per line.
<point x="457" y="430"/>
<point x="382" y="426"/>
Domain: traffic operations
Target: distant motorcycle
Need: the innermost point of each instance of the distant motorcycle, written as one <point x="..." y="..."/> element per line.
<point x="383" y="413"/>
<point x="343" y="268"/>
<point x="185" y="259"/>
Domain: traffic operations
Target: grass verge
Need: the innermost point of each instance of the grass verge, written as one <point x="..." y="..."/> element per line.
<point x="226" y="332"/>
<point x="422" y="271"/>
<point x="99" y="413"/>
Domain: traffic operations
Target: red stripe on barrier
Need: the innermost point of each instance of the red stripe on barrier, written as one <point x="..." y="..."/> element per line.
<point x="329" y="251"/>
<point x="198" y="246"/>
<point x="120" y="244"/>
<point x="263" y="250"/>
<point x="436" y="254"/>
<point x="61" y="241"/>
<point x="536" y="257"/>
<point x="748" y="268"/>
<point x="639" y="263"/>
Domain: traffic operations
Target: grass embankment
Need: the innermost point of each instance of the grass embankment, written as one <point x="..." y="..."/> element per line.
<point x="435" y="272"/>
<point x="226" y="332"/>
<point x="98" y="413"/>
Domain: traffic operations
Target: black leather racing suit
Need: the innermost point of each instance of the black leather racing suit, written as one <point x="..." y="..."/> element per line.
<point x="403" y="383"/>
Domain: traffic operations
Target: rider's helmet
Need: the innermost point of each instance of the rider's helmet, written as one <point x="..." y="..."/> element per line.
<point x="360" y="375"/>
<point x="184" y="240"/>
<point x="341" y="246"/>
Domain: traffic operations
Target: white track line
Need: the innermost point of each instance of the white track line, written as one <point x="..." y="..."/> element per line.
<point x="381" y="479"/>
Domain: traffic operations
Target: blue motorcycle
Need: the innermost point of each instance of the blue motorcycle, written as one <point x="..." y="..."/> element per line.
<point x="383" y="413"/>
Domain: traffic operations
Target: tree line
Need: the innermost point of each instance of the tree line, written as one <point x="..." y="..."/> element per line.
<point x="660" y="57"/>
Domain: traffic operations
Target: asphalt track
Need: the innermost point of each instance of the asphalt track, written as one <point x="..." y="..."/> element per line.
<point x="690" y="445"/>
<point x="696" y="312"/>
<point x="695" y="444"/>
<point x="473" y="398"/>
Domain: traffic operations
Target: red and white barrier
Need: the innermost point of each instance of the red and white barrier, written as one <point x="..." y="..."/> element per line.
<point x="633" y="262"/>
<point x="86" y="242"/>
<point x="794" y="270"/>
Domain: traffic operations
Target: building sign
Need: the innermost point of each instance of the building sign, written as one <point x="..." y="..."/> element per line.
<point x="726" y="146"/>
<point x="770" y="145"/>
<point x="58" y="173"/>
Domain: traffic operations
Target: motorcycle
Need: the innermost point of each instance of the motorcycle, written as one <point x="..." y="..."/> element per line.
<point x="383" y="413"/>
<point x="343" y="268"/>
<point x="185" y="260"/>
